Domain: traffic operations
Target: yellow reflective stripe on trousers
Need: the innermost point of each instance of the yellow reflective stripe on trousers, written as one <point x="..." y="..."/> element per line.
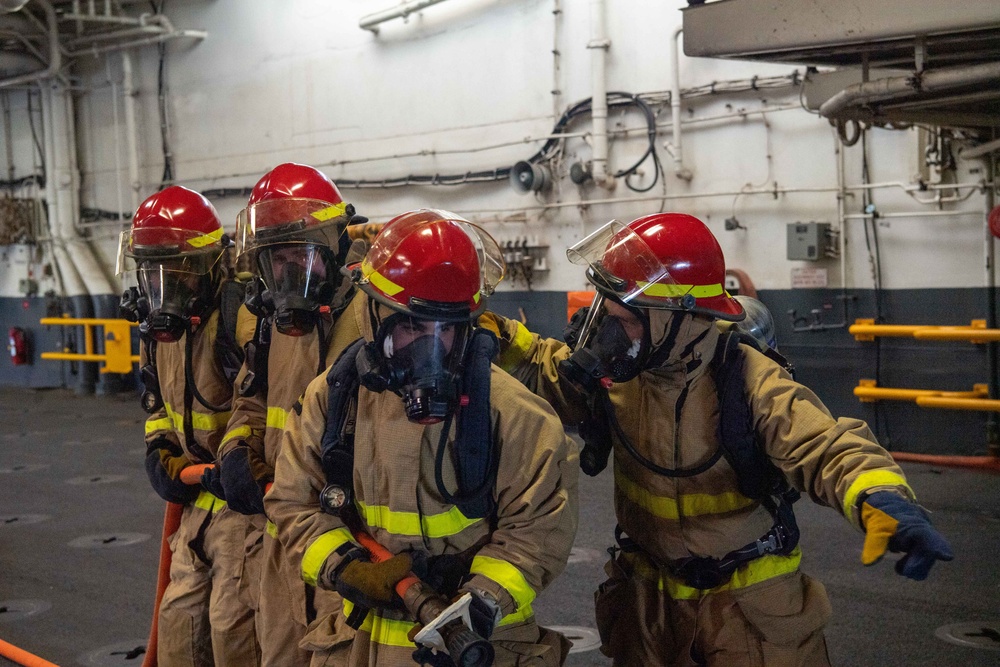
<point x="445" y="524"/>
<point x="276" y="418"/>
<point x="321" y="548"/>
<point x="754" y="572"/>
<point x="668" y="290"/>
<point x="384" y="631"/>
<point x="202" y="421"/>
<point x="162" y="424"/>
<point x="692" y="504"/>
<point x="511" y="579"/>
<point x="867" y="480"/>
<point x="208" y="502"/>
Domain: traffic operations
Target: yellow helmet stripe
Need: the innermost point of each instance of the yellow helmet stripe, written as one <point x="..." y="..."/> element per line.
<point x="330" y="212"/>
<point x="669" y="290"/>
<point x="206" y="239"/>
<point x="384" y="285"/>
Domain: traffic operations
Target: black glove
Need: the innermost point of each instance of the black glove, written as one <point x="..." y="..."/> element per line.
<point x="164" y="462"/>
<point x="211" y="481"/>
<point x="244" y="477"/>
<point x="368" y="584"/>
<point x="483" y="615"/>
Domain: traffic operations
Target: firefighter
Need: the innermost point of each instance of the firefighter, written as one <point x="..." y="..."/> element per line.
<point x="444" y="459"/>
<point x="189" y="358"/>
<point x="712" y="442"/>
<point x="291" y="234"/>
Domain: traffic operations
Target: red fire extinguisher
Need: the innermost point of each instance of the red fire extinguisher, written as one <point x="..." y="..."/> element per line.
<point x="17" y="343"/>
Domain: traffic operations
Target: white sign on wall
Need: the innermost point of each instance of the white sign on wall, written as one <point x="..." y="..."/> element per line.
<point x="803" y="277"/>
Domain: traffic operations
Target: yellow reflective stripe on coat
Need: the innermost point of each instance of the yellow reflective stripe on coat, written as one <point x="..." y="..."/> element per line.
<point x="276" y="418"/>
<point x="271" y="529"/>
<point x="511" y="579"/>
<point x="200" y="420"/>
<point x="867" y="480"/>
<point x="384" y="631"/>
<point x="693" y="504"/>
<point x="206" y="239"/>
<point x="675" y="290"/>
<point x="162" y="424"/>
<point x="445" y="524"/>
<point x="754" y="572"/>
<point x="330" y="212"/>
<point x="238" y="433"/>
<point x="209" y="502"/>
<point x="321" y="548"/>
<point x="384" y="285"/>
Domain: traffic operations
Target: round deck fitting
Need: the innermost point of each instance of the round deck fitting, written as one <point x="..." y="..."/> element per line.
<point x="583" y="639"/>
<point x="108" y="540"/>
<point x="97" y="479"/>
<point x="121" y="653"/>
<point x="22" y="519"/>
<point x="18" y="610"/>
<point x="974" y="634"/>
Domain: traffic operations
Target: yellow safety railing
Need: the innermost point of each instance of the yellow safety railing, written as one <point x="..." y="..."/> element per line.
<point x="117" y="357"/>
<point x="976" y="332"/>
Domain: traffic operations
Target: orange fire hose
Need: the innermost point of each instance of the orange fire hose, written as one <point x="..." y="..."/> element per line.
<point x="171" y="522"/>
<point x="990" y="463"/>
<point x="22" y="657"/>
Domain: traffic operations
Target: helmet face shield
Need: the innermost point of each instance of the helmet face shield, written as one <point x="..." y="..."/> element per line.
<point x="619" y="262"/>
<point x="423" y="360"/>
<point x="183" y="250"/>
<point x="289" y="220"/>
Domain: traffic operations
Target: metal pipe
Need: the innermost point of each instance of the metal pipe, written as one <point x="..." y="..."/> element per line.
<point x="970" y="333"/>
<point x="111" y="35"/>
<point x="598" y="46"/>
<point x="178" y="34"/>
<point x="131" y="133"/>
<point x="993" y="350"/>
<point x="870" y="394"/>
<point x="371" y="21"/>
<point x="55" y="56"/>
<point x="980" y="150"/>
<point x="978" y="404"/>
<point x="674" y="147"/>
<point x="118" y="137"/>
<point x="896" y="86"/>
<point x="981" y="462"/>
<point x="910" y="214"/>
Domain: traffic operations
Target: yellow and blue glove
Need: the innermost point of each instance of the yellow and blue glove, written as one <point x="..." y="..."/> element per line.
<point x="893" y="523"/>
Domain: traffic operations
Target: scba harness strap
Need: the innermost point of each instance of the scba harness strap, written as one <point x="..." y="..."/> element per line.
<point x="476" y="455"/>
<point x="757" y="477"/>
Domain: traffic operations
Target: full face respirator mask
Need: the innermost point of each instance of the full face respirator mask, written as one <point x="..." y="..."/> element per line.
<point x="418" y="360"/>
<point x="297" y="282"/>
<point x="611" y="345"/>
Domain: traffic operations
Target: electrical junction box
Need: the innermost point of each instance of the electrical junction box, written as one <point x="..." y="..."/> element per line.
<point x="808" y="240"/>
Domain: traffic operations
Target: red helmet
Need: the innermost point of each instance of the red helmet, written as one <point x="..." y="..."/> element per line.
<point x="173" y="224"/>
<point x="665" y="260"/>
<point x="292" y="203"/>
<point x="432" y="264"/>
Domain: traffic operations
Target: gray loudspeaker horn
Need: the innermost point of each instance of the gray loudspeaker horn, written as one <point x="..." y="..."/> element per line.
<point x="528" y="177"/>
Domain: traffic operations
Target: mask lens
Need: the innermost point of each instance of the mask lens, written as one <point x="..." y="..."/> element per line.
<point x="423" y="358"/>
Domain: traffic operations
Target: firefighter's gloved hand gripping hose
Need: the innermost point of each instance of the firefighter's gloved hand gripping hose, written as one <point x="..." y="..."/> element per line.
<point x="446" y="625"/>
